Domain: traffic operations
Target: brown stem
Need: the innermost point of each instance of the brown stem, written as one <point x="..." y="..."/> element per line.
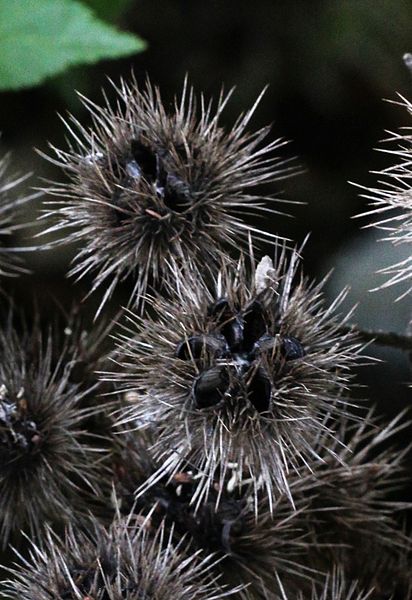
<point x="382" y="338"/>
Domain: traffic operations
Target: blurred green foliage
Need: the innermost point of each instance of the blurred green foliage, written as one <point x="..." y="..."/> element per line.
<point x="40" y="38"/>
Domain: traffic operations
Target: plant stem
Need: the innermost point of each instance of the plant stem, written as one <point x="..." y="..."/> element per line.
<point x="382" y="338"/>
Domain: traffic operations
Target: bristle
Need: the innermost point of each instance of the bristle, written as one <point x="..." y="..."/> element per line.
<point x="11" y="202"/>
<point x="335" y="587"/>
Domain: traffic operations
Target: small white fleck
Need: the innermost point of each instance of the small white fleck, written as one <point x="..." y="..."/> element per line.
<point x="264" y="274"/>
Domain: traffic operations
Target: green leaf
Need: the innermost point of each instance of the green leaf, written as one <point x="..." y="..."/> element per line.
<point x="39" y="38"/>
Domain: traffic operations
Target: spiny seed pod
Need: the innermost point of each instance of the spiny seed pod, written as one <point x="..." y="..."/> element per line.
<point x="257" y="551"/>
<point x="149" y="188"/>
<point x="354" y="496"/>
<point x="243" y="375"/>
<point x="49" y="465"/>
<point x="345" y="514"/>
<point x="335" y="587"/>
<point x="125" y="561"/>
<point x="393" y="201"/>
<point x="11" y="263"/>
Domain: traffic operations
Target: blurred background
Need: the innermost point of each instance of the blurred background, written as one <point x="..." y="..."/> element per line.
<point x="328" y="66"/>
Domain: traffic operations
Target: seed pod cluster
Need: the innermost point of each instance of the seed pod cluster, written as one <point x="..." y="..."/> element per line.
<point x="237" y="464"/>
<point x="344" y="515"/>
<point x="250" y="550"/>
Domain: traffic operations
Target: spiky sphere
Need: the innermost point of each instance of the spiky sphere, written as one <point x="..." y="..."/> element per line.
<point x="49" y="465"/>
<point x="11" y="202"/>
<point x="124" y="561"/>
<point x="246" y="374"/>
<point x="260" y="552"/>
<point x="345" y="514"/>
<point x="392" y="203"/>
<point x="354" y="510"/>
<point x="149" y="188"/>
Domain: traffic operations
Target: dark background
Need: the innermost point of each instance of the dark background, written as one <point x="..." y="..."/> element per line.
<point x="328" y="64"/>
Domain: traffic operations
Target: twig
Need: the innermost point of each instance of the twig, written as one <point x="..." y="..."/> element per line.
<point x="382" y="338"/>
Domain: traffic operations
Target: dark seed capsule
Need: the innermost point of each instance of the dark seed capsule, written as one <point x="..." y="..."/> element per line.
<point x="233" y="333"/>
<point x="176" y="193"/>
<point x="259" y="391"/>
<point x="292" y="348"/>
<point x="196" y="345"/>
<point x="210" y="387"/>
<point x="254" y="325"/>
<point x="145" y="159"/>
<point x="266" y="343"/>
<point x="221" y="309"/>
<point x="230" y="325"/>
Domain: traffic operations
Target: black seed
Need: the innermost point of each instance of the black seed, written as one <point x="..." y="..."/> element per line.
<point x="17" y="433"/>
<point x="266" y="343"/>
<point x="233" y="333"/>
<point x="220" y="308"/>
<point x="210" y="387"/>
<point x="146" y="160"/>
<point x="176" y="193"/>
<point x="230" y="325"/>
<point x="198" y="344"/>
<point x="259" y="391"/>
<point x="292" y="348"/>
<point x="254" y="325"/>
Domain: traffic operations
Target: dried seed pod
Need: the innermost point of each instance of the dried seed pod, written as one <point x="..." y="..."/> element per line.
<point x="11" y="263"/>
<point x="127" y="560"/>
<point x="49" y="466"/>
<point x="149" y="188"/>
<point x="392" y="204"/>
<point x="258" y="396"/>
<point x="359" y="517"/>
<point x="258" y="552"/>
<point x="344" y="515"/>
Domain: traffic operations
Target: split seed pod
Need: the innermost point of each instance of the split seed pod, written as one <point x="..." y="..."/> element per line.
<point x="245" y="375"/>
<point x="149" y="188"/>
